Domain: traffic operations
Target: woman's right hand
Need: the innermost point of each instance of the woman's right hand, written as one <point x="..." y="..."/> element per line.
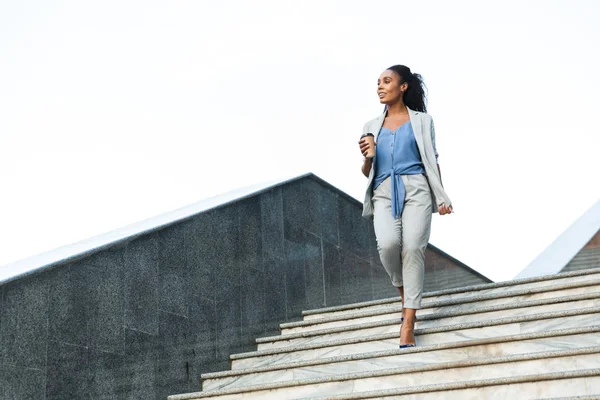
<point x="364" y="146"/>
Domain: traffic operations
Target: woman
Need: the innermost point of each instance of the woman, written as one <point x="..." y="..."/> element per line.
<point x="404" y="186"/>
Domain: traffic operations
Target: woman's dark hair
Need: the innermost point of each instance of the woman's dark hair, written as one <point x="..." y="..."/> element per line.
<point x="414" y="97"/>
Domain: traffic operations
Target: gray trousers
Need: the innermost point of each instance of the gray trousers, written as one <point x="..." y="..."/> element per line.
<point x="402" y="242"/>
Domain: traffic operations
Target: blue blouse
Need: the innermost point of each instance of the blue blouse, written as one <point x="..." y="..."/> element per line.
<point x="397" y="154"/>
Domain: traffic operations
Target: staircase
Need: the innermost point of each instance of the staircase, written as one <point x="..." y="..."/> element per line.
<point x="584" y="259"/>
<point x="535" y="338"/>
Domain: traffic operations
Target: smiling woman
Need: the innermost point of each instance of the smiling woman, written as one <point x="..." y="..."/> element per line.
<point x="404" y="185"/>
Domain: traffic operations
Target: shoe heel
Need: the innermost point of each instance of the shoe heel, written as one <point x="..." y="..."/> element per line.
<point x="405" y="346"/>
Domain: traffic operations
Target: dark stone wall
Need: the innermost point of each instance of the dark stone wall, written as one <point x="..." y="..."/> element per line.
<point x="145" y="317"/>
<point x="443" y="271"/>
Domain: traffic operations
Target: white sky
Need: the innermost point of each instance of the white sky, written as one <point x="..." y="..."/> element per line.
<point x="116" y="111"/>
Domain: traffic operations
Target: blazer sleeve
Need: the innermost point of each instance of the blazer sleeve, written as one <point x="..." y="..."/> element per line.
<point x="366" y="127"/>
<point x="432" y="129"/>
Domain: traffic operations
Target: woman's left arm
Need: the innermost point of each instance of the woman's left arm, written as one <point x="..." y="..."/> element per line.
<point x="435" y="152"/>
<point x="443" y="209"/>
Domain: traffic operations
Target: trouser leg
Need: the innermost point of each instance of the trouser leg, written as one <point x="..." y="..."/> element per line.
<point x="388" y="232"/>
<point x="416" y="228"/>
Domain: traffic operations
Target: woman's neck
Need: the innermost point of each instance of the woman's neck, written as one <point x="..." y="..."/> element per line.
<point x="397" y="109"/>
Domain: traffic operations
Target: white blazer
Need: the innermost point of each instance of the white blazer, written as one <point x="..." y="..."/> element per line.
<point x="422" y="125"/>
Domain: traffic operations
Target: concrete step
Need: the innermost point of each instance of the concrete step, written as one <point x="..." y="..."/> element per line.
<point x="589" y="256"/>
<point x="430" y="321"/>
<point x="590" y="397"/>
<point x="576" y="383"/>
<point x="470" y="294"/>
<point x="425" y="316"/>
<point x="547" y="341"/>
<point x="586" y="260"/>
<point x="531" y="338"/>
<point x="388" y="337"/>
<point x="489" y="368"/>
<point x="459" y="298"/>
<point x="591" y="259"/>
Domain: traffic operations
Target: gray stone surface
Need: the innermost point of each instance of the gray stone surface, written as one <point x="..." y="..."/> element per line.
<point x="24" y="323"/>
<point x="203" y="327"/>
<point x="275" y="296"/>
<point x="354" y="229"/>
<point x="139" y="365"/>
<point x="144" y="318"/>
<point x="175" y="354"/>
<point x="201" y="275"/>
<point x="141" y="284"/>
<point x="328" y="208"/>
<point x="173" y="271"/>
<point x="332" y="274"/>
<point x="250" y="244"/>
<point x="301" y="208"/>
<point x="105" y="370"/>
<point x="106" y="316"/>
<point x="271" y="209"/>
<point x="295" y="253"/>
<point x="356" y="277"/>
<point x="19" y="383"/>
<point x="68" y="372"/>
<point x="70" y="303"/>
<point x="224" y="253"/>
<point x="229" y="318"/>
<point x="253" y="304"/>
<point x="314" y="285"/>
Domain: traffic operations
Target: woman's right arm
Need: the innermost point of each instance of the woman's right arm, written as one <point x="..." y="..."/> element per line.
<point x="366" y="167"/>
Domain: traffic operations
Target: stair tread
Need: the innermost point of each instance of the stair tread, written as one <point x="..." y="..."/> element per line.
<point x="418" y="388"/>
<point x="469" y="325"/>
<point x="427" y="317"/>
<point x="590" y="397"/>
<point x="396" y="351"/>
<point x="397" y="308"/>
<point x="494" y="334"/>
<point x="412" y="369"/>
<point x="464" y="289"/>
<point x="463" y="385"/>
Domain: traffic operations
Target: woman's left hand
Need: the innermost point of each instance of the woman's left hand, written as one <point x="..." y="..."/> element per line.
<point x="444" y="209"/>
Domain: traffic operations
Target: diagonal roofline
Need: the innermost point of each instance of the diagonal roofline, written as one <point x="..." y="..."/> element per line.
<point x="562" y="250"/>
<point x="87" y="247"/>
<point x="463" y="265"/>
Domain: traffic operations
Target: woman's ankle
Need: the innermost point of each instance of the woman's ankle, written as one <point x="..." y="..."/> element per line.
<point x="407" y="335"/>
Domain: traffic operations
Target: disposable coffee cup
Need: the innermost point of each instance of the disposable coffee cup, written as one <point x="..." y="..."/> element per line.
<point x="370" y="138"/>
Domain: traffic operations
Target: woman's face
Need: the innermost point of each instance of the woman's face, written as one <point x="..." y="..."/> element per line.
<point x="389" y="89"/>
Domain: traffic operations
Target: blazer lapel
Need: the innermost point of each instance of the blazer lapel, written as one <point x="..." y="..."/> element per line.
<point x="376" y="125"/>
<point x="415" y="121"/>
